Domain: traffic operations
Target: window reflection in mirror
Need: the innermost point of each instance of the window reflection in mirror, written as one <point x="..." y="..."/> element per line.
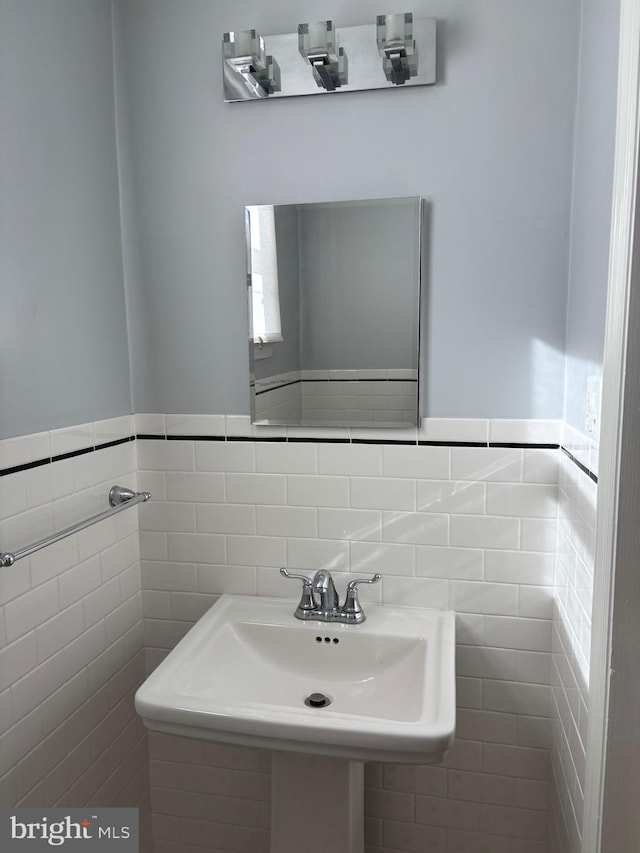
<point x="263" y="269"/>
<point x="334" y="307"/>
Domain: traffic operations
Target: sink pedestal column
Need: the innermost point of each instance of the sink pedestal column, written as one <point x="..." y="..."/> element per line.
<point x="317" y="804"/>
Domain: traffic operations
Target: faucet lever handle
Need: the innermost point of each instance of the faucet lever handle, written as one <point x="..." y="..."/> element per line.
<point x="307" y="600"/>
<point x="352" y="605"/>
<point x="353" y="584"/>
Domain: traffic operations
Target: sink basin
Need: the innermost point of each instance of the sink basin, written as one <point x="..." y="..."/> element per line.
<point x="242" y="674"/>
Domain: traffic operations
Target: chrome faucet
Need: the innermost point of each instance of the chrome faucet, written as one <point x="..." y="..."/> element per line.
<point x="328" y="609"/>
<point x="322" y="584"/>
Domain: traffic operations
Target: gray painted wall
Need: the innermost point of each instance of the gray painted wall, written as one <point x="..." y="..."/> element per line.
<point x="490" y="147"/>
<point x="360" y="265"/>
<point x="591" y="203"/>
<point x="63" y="340"/>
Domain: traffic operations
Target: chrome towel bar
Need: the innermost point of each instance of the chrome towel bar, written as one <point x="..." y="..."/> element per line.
<point x="119" y="498"/>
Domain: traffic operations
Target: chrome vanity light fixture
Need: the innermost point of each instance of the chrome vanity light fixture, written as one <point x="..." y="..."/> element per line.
<point x="396" y="46"/>
<point x="382" y="54"/>
<point x="244" y="54"/>
<point x="318" y="44"/>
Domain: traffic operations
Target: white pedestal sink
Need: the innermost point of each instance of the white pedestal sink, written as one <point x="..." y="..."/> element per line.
<point x="383" y="690"/>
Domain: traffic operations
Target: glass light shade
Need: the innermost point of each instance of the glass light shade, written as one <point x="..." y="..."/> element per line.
<point x="243" y="50"/>
<point x="395" y="31"/>
<point x="318" y="43"/>
<point x="396" y="46"/>
<point x="317" y="40"/>
<point x="244" y="47"/>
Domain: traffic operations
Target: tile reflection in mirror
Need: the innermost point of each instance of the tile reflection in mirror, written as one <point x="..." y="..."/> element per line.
<point x="346" y="278"/>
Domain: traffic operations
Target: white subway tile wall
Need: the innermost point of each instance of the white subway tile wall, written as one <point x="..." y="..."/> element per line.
<point x="71" y="638"/>
<point x="463" y="527"/>
<point x="209" y="796"/>
<point x="467" y="520"/>
<point x="571" y="642"/>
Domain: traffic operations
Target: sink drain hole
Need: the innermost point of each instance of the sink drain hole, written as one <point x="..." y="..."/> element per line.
<point x="317" y="700"/>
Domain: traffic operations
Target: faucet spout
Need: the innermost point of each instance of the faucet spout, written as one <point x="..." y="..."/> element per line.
<point x="324" y="586"/>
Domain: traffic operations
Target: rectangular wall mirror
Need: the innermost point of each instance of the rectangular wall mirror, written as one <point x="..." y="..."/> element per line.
<point x="334" y="308"/>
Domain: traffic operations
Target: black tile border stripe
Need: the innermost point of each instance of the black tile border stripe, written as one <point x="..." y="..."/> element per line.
<point x="259" y="439"/>
<point x="49" y="460"/>
<point x="25" y="467"/>
<point x="115" y="442"/>
<point x="302" y="381"/>
<point x="38" y="463"/>
<point x="434" y="443"/>
<point x="72" y="454"/>
<point x="277" y="387"/>
<point x="82" y="451"/>
<point x="359" y="380"/>
<point x="194" y="437"/>
<point x="300" y="439"/>
<point x="580" y="465"/>
<point x="384" y="441"/>
<point x="524" y="445"/>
